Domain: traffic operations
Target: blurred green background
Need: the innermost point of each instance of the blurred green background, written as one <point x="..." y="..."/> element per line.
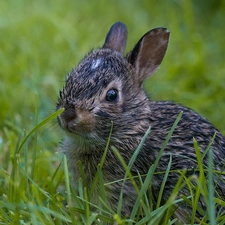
<point x="40" y="41"/>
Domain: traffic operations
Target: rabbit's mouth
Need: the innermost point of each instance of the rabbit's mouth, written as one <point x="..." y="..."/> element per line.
<point x="79" y="123"/>
<point x="86" y="143"/>
<point x="79" y="127"/>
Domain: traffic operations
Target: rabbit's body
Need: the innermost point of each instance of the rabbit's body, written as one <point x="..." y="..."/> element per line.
<point x="106" y="88"/>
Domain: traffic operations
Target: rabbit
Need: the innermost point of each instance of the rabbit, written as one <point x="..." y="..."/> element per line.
<point x="104" y="92"/>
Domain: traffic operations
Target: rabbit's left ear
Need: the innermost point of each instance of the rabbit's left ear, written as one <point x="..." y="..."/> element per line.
<point x="116" y="38"/>
<point x="148" y="53"/>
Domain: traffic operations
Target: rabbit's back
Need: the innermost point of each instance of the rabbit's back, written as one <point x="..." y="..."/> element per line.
<point x="191" y="125"/>
<point x="181" y="144"/>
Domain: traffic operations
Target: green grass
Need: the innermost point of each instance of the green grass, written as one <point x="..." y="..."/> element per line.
<point x="40" y="42"/>
<point x="29" y="197"/>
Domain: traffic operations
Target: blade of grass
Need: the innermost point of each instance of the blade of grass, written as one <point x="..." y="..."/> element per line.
<point x="165" y="143"/>
<point x="209" y="146"/>
<point x="35" y="137"/>
<point x="93" y="185"/>
<point x="93" y="218"/>
<point x="87" y="207"/>
<point x="164" y="182"/>
<point x="136" y="152"/>
<point x="211" y="208"/>
<point x="127" y="169"/>
<point x="102" y="194"/>
<point x="146" y="200"/>
<point x="82" y="174"/>
<point x="150" y="175"/>
<point x="35" y="184"/>
<point x="172" y="201"/>
<point x="201" y="188"/>
<point x="49" y="118"/>
<point x="13" y="173"/>
<point x="128" y="173"/>
<point x="143" y="190"/>
<point x="69" y="201"/>
<point x="167" y="139"/>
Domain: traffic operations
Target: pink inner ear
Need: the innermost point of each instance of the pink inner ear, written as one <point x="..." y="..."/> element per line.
<point x="148" y="53"/>
<point x="153" y="51"/>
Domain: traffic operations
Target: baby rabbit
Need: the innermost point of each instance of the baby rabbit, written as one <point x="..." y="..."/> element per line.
<point x="106" y="91"/>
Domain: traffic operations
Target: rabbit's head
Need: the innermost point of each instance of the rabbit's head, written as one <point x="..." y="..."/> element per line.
<point x="106" y="87"/>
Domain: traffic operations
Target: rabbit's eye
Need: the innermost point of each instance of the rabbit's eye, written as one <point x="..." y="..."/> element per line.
<point x="112" y="95"/>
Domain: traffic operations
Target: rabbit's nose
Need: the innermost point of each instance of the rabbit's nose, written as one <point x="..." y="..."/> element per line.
<point x="68" y="115"/>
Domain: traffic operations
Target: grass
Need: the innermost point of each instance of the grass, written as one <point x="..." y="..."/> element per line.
<point x="29" y="198"/>
<point x="40" y="42"/>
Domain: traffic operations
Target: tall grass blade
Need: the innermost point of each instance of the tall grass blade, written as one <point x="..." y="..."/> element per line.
<point x="144" y="188"/>
<point x="127" y="169"/>
<point x="49" y="118"/>
<point x="68" y="191"/>
<point x="201" y="188"/>
<point x="211" y="207"/>
<point x="35" y="137"/>
<point x="93" y="185"/>
<point x="163" y="183"/>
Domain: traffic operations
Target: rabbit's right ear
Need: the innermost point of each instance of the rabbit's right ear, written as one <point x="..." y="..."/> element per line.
<point x="148" y="53"/>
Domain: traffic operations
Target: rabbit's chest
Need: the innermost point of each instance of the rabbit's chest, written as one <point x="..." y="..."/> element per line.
<point x="82" y="158"/>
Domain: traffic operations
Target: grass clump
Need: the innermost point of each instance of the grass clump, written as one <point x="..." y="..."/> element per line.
<point x="33" y="194"/>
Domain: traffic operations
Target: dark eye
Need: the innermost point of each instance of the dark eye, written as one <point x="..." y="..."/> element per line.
<point x="111" y="95"/>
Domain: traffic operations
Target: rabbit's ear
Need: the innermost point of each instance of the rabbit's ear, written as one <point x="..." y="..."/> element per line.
<point x="116" y="38"/>
<point x="148" y="53"/>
